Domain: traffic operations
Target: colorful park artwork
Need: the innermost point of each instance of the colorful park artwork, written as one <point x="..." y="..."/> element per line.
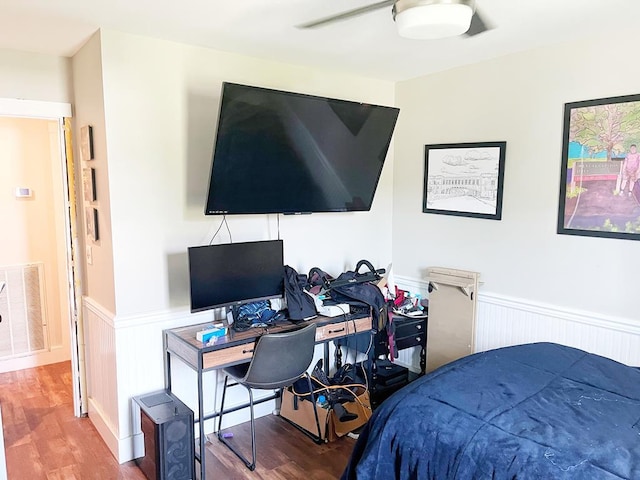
<point x="600" y="186"/>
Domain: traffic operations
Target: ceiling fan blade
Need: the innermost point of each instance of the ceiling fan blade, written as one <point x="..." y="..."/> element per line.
<point x="477" y="26"/>
<point x="348" y="14"/>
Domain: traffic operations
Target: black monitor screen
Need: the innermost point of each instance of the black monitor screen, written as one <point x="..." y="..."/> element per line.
<point x="283" y="152"/>
<point x="233" y="273"/>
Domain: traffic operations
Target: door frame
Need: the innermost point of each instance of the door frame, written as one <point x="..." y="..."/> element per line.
<point x="62" y="113"/>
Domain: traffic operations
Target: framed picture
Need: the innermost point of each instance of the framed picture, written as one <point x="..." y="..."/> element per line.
<point x="599" y="191"/>
<point x="464" y="179"/>
<point x="91" y="215"/>
<point x="89" y="184"/>
<point x="86" y="142"/>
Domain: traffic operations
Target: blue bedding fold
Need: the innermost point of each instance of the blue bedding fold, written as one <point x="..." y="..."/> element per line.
<point x="536" y="411"/>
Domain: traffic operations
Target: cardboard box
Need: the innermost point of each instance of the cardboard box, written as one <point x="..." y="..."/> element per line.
<point x="330" y="427"/>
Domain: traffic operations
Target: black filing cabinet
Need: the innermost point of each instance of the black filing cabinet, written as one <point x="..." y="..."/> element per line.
<point x="386" y="377"/>
<point x="167" y="426"/>
<point x="412" y="332"/>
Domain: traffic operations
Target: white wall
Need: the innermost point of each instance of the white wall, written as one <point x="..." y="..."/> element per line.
<point x="161" y="106"/>
<point x="161" y="102"/>
<point x="98" y="278"/>
<point x="518" y="98"/>
<point x="35" y="76"/>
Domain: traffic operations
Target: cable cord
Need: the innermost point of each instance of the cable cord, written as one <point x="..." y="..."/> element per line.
<point x="223" y="222"/>
<point x="346" y="387"/>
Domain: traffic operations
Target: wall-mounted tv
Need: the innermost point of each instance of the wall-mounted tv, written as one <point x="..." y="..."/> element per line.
<point x="231" y="274"/>
<point x="283" y="152"/>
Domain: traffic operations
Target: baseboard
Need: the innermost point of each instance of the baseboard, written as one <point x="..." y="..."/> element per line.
<point x="105" y="429"/>
<point x="34" y="359"/>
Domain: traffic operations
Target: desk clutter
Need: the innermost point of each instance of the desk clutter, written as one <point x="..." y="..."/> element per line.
<point x="317" y="293"/>
<point x="305" y="297"/>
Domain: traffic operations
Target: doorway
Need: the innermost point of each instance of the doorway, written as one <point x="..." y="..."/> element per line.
<point x="38" y="298"/>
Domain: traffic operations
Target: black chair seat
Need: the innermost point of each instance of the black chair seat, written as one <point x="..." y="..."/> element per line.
<point x="238" y="372"/>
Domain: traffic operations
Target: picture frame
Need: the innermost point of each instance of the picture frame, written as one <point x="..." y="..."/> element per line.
<point x="600" y="168"/>
<point x="89" y="184"/>
<point x="91" y="217"/>
<point x="86" y="142"/>
<point x="464" y="179"/>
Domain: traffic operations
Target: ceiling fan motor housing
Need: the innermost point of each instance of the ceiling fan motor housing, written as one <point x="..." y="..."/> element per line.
<point x="432" y="19"/>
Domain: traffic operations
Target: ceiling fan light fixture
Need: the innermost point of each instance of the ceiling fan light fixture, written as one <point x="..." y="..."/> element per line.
<point x="428" y="20"/>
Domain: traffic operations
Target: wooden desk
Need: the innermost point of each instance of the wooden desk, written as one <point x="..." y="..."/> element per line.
<point x="237" y="347"/>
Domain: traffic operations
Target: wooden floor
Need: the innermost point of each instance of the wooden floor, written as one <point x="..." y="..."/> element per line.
<point x="44" y="440"/>
<point x="284" y="453"/>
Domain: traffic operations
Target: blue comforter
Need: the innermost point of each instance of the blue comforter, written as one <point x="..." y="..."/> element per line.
<point x="536" y="411"/>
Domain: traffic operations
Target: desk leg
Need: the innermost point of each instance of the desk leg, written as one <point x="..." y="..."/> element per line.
<point x="202" y="439"/>
<point x="326" y="358"/>
<point x="167" y="363"/>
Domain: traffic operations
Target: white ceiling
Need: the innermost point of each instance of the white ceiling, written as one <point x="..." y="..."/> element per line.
<point x="367" y="45"/>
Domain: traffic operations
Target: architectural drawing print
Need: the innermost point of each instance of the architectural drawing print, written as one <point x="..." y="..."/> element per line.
<point x="464" y="179"/>
<point x="599" y="191"/>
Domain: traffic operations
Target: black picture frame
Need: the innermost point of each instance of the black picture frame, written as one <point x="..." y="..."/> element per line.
<point x="86" y="143"/>
<point x="89" y="184"/>
<point x="91" y="217"/>
<point x="464" y="179"/>
<point x="600" y="168"/>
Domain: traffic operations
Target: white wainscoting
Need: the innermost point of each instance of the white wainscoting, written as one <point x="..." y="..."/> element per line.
<point x="102" y="386"/>
<point x="503" y="321"/>
<point x="125" y="356"/>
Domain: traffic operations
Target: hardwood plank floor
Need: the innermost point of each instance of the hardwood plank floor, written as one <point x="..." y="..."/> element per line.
<point x="284" y="453"/>
<point x="44" y="440"/>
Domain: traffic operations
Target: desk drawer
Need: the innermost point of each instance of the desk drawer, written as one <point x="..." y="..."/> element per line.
<point x="342" y="329"/>
<point x="227" y="356"/>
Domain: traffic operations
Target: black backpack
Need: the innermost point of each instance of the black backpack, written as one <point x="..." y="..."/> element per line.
<point x="355" y="288"/>
<point x="299" y="303"/>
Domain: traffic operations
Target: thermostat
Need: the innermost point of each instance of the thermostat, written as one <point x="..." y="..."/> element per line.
<point x="23" y="192"/>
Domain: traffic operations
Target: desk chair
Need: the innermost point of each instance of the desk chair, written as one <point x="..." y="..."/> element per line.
<point x="279" y="359"/>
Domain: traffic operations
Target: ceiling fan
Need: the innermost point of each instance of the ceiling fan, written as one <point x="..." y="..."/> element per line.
<point x="421" y="19"/>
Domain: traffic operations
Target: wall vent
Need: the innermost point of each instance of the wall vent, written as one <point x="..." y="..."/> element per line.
<point x="23" y="329"/>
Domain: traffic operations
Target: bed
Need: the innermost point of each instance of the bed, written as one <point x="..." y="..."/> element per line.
<point x="535" y="411"/>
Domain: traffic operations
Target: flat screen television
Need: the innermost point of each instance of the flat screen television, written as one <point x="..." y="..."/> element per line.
<point x="283" y="152"/>
<point x="231" y="274"/>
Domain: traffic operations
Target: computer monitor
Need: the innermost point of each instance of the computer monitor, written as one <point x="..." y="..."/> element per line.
<point x="231" y="274"/>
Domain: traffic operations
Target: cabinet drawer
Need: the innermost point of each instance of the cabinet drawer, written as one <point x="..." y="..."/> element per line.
<point x="410" y="328"/>
<point x="413" y="341"/>
<point x="341" y="329"/>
